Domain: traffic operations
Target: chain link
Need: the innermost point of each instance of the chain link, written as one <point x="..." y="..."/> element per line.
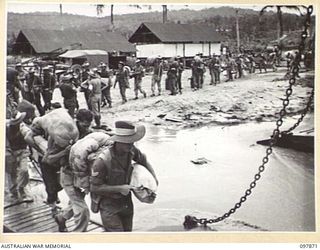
<point x="303" y="114"/>
<point x="191" y="221"/>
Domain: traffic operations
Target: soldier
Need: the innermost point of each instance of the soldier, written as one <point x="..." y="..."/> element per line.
<point x="109" y="180"/>
<point x="83" y="78"/>
<point x="122" y="77"/>
<point x="138" y="73"/>
<point x="106" y="83"/>
<point x="35" y="87"/>
<point x="94" y="87"/>
<point x="22" y="79"/>
<point x="214" y="68"/>
<point x="77" y="206"/>
<point x="157" y="74"/>
<point x="197" y="73"/>
<point x="179" y="73"/>
<point x="13" y="86"/>
<point x="230" y="65"/>
<point x="69" y="94"/>
<point x="17" y="155"/>
<point x="261" y="61"/>
<point x="49" y="83"/>
<point x="239" y="66"/>
<point x="172" y="77"/>
<point x="202" y="70"/>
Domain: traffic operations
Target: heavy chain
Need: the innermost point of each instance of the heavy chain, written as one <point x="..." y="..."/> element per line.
<point x="303" y="114"/>
<point x="295" y="69"/>
<point x="192" y="221"/>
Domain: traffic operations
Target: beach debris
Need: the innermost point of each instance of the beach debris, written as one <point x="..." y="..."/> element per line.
<point x="200" y="161"/>
<point x="173" y="119"/>
<point x="161" y="115"/>
<point x="214" y="108"/>
<point x="190" y="117"/>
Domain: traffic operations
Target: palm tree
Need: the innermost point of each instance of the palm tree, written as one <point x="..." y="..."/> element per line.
<point x="279" y="14"/>
<point x="100" y="7"/>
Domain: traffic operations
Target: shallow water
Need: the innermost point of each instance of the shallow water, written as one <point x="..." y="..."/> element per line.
<point x="283" y="199"/>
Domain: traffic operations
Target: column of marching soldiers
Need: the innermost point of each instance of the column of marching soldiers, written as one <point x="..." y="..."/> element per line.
<point x="33" y="85"/>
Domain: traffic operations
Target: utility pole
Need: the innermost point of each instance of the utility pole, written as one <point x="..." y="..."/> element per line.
<point x="237" y="30"/>
<point x="164" y="13"/>
<point x="61" y="19"/>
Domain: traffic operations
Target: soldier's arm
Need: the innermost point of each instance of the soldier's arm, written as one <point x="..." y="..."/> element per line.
<point x="141" y="159"/>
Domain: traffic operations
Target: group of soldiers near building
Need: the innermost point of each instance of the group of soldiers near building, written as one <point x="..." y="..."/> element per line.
<point x="96" y="83"/>
<point x="63" y="128"/>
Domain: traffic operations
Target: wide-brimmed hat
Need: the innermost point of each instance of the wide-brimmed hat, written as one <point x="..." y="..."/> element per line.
<point x="102" y="64"/>
<point x="138" y="61"/>
<point x="18" y="65"/>
<point x="121" y="62"/>
<point x="86" y="64"/>
<point x="26" y="107"/>
<point x="31" y="70"/>
<point x="127" y="132"/>
<point x="66" y="77"/>
<point x="92" y="73"/>
<point x="18" y="118"/>
<point x="46" y="68"/>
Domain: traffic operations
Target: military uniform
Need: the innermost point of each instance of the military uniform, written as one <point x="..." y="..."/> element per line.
<point x="69" y="94"/>
<point x="35" y="87"/>
<point x="106" y="88"/>
<point x="122" y="78"/>
<point x="49" y="82"/>
<point x="214" y="68"/>
<point x="17" y="155"/>
<point x="84" y="77"/>
<point x="116" y="210"/>
<point x="172" y="77"/>
<point x="138" y="73"/>
<point x="13" y="86"/>
<point x="95" y="98"/>
<point x="179" y="75"/>
<point x="156" y="77"/>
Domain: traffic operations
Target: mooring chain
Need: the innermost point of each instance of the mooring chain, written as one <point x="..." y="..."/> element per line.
<point x="295" y="69"/>
<point x="303" y="114"/>
<point x="192" y="221"/>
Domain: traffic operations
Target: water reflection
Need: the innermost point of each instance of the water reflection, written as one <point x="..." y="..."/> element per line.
<point x="157" y="134"/>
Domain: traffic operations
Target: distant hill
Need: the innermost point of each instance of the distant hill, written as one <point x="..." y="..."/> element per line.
<point x="222" y="19"/>
<point x="53" y="20"/>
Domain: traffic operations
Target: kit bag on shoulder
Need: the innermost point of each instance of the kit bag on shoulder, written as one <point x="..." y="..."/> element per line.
<point x="58" y="125"/>
<point x="82" y="155"/>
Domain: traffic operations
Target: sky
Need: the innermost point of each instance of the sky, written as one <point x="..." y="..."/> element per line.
<point x="90" y="10"/>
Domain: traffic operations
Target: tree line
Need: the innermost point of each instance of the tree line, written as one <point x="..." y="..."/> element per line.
<point x="254" y="28"/>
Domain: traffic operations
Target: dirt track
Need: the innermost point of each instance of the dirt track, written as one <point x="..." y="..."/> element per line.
<point x="256" y="97"/>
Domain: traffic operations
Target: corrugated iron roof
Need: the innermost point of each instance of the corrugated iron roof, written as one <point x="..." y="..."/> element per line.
<point x="172" y="32"/>
<point x="46" y="41"/>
